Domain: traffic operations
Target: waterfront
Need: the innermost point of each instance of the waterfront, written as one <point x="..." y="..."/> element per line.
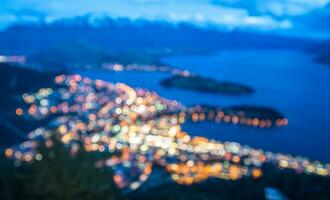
<point x="294" y="85"/>
<point x="139" y="129"/>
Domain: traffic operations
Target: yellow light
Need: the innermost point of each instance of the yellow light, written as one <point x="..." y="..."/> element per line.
<point x="283" y="163"/>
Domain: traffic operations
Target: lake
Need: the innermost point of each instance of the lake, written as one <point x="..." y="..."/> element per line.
<point x="289" y="81"/>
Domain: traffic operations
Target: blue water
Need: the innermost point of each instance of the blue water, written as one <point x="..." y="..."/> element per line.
<point x="288" y="81"/>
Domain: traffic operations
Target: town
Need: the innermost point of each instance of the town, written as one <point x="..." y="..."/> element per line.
<point x="139" y="129"/>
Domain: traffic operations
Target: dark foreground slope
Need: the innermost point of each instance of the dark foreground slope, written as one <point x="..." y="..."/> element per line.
<point x="59" y="175"/>
<point x="14" y="81"/>
<point x="287" y="183"/>
<point x="64" y="174"/>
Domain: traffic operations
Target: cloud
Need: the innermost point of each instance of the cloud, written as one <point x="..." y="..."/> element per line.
<point x="200" y="12"/>
<point x="262" y="15"/>
<point x="315" y="23"/>
<point x="278" y="8"/>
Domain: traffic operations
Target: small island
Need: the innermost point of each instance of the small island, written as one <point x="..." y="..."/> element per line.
<point x="256" y="116"/>
<point x="203" y="84"/>
<point x="255" y="112"/>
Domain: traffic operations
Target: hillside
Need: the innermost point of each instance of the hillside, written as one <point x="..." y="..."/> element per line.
<point x="14" y="82"/>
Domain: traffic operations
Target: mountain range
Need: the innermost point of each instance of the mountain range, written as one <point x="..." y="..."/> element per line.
<point x="77" y="41"/>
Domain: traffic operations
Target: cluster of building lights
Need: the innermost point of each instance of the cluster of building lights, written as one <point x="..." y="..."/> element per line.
<point x="12" y="59"/>
<point x="139" y="129"/>
<point x="200" y="113"/>
<point x="146" y="68"/>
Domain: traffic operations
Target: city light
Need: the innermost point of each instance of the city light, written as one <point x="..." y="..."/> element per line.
<point x="142" y="129"/>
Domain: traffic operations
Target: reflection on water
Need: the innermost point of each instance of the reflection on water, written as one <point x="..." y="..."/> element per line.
<point x="285" y="80"/>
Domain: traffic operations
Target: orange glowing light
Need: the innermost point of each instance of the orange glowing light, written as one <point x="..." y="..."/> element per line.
<point x="256" y="173"/>
<point x="19" y="112"/>
<point x="255" y="122"/>
<point x="194" y="117"/>
<point x="32" y="110"/>
<point x="201" y="116"/>
<point x="117" y="178"/>
<point x="53" y="109"/>
<point x="9" y="152"/>
<point x="234" y="172"/>
<point x="235" y="119"/>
